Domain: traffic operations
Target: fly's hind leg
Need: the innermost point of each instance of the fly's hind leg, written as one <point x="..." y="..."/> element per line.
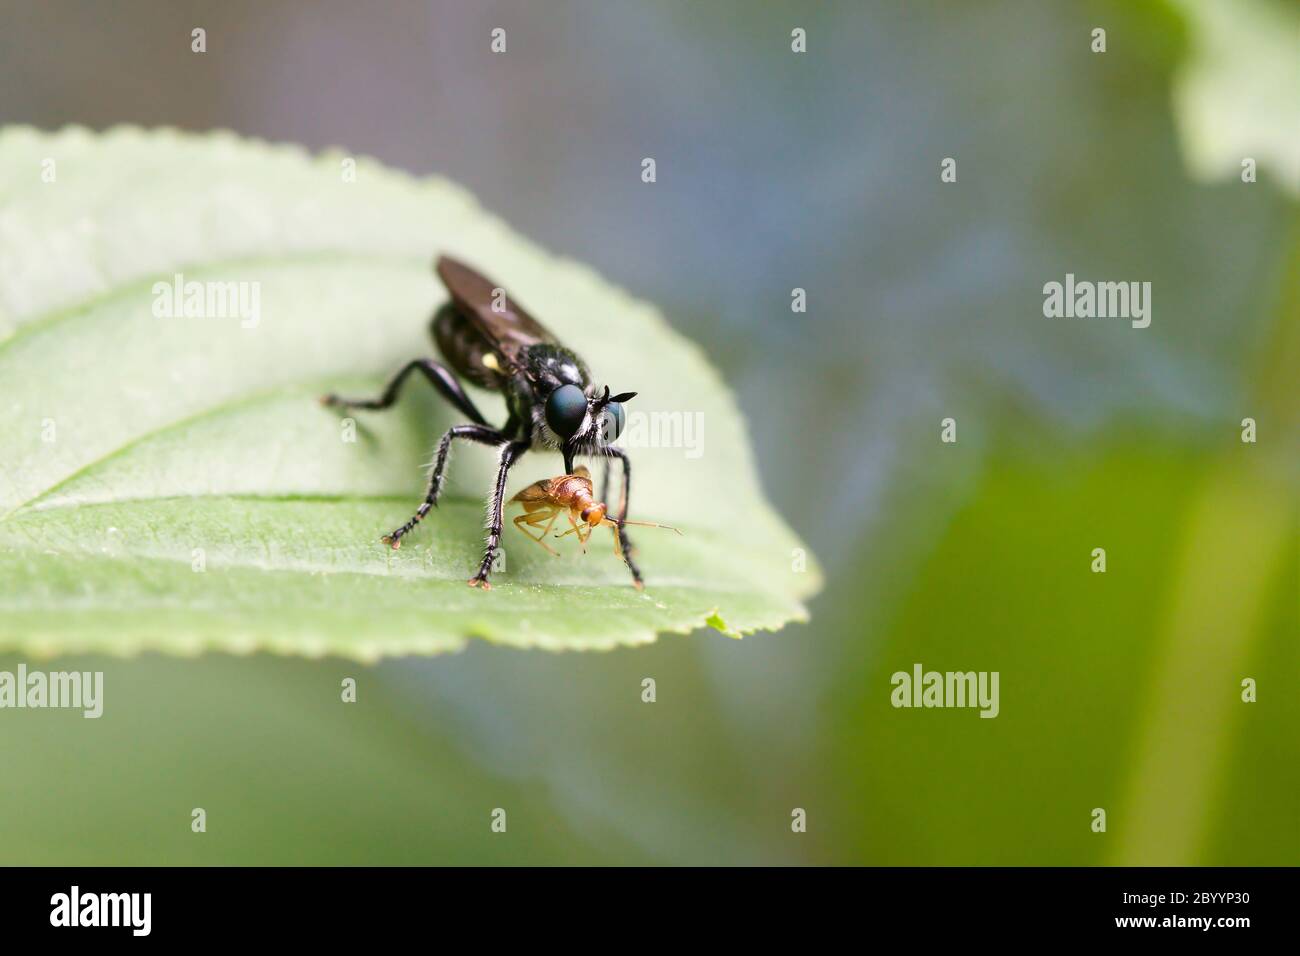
<point x="446" y="384"/>
<point x="439" y="376"/>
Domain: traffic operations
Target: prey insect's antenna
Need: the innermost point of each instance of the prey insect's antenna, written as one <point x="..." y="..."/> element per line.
<point x="614" y="524"/>
<point x="584" y="532"/>
<point x="651" y="524"/>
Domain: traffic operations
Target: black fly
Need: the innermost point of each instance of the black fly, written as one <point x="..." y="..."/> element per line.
<point x="551" y="401"/>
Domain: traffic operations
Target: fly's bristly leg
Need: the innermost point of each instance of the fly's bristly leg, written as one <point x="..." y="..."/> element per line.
<point x="439" y="376"/>
<point x="612" y="451"/>
<point x="604" y="481"/>
<point x="511" y="452"/>
<point x="475" y="433"/>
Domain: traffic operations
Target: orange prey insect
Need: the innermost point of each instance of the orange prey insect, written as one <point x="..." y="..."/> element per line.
<point x="571" y="495"/>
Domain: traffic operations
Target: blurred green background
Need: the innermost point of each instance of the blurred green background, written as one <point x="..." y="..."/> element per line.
<point x="1118" y="690"/>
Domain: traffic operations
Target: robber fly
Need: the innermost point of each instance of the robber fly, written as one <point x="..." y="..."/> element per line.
<point x="551" y="401"/>
<point x="572" y="496"/>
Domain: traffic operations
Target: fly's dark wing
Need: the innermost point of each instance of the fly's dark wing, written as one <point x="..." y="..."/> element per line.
<point x="507" y="332"/>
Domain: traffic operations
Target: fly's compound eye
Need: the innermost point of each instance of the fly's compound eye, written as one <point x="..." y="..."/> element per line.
<point x="612" y="419"/>
<point x="565" y="409"/>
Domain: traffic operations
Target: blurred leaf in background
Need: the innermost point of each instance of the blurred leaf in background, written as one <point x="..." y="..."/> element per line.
<point x="1130" y="682"/>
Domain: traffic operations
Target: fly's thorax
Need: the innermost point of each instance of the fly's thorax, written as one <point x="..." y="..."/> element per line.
<point x="520" y="398"/>
<point x="551" y="366"/>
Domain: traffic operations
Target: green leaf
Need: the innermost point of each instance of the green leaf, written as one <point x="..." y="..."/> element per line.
<point x="171" y="483"/>
<point x="1235" y="97"/>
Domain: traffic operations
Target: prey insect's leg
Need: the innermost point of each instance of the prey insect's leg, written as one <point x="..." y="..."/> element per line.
<point x="439" y="377"/>
<point x="533" y="520"/>
<point x="510" y="453"/>
<point x="575" y="527"/>
<point x="613" y="451"/>
<point x="477" y="433"/>
<point x="547" y="530"/>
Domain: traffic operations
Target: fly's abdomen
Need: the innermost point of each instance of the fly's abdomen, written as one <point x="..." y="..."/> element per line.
<point x="464" y="349"/>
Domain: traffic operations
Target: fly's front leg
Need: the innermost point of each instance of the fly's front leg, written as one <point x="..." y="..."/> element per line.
<point x="612" y="451"/>
<point x="475" y="433"/>
<point x="510" y="453"/>
<point x="604" y="481"/>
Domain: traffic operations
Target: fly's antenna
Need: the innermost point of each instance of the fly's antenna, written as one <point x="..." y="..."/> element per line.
<point x="620" y="398"/>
